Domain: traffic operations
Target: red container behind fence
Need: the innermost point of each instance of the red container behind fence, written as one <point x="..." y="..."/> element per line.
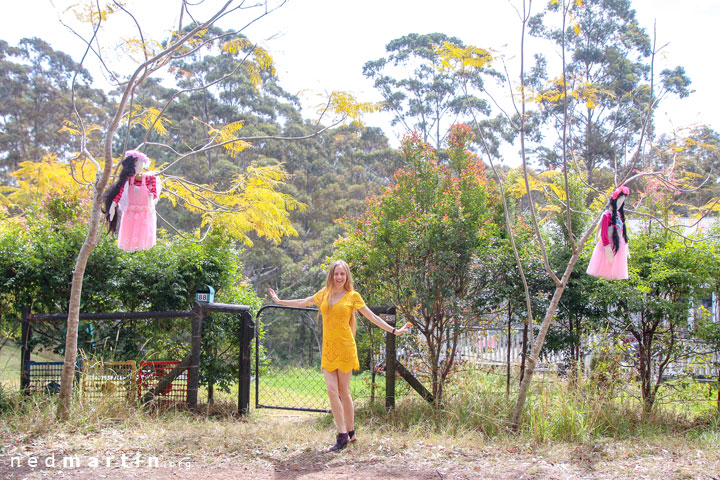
<point x="150" y="374"/>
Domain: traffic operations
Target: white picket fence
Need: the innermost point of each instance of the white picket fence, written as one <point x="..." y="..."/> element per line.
<point x="490" y="347"/>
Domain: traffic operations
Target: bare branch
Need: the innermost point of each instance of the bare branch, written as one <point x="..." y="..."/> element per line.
<point x="675" y="232"/>
<point x="220" y="208"/>
<point x="83" y="136"/>
<point x="552" y="194"/>
<point x="571" y="238"/>
<point x="179" y="233"/>
<point x="246" y="139"/>
<point x="648" y="117"/>
<point x="188" y="90"/>
<point x="511" y="234"/>
<point x="200" y="186"/>
<point x="203" y="44"/>
<point x="240" y="7"/>
<point x="90" y="48"/>
<point x="512" y="94"/>
<point x="541" y="242"/>
<point x="140" y="32"/>
<point x="495" y="102"/>
<point x="187" y="10"/>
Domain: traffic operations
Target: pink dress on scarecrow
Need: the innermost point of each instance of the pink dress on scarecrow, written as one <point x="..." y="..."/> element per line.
<point x="617" y="269"/>
<point x="138" y="222"/>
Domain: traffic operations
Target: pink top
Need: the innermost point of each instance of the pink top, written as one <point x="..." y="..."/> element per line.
<point x="151" y="186"/>
<point x="605" y="226"/>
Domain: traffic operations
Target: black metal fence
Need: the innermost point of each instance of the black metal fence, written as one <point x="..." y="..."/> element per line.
<point x="287" y="360"/>
<point x="122" y="380"/>
<point x="286" y="365"/>
<point x="287" y="373"/>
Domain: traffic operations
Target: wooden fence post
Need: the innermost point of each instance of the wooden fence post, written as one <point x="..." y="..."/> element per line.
<point x="390" y="368"/>
<point x="25" y="350"/>
<point x="246" y="336"/>
<point x="195" y="346"/>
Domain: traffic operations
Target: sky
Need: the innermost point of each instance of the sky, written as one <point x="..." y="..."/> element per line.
<point x="321" y="45"/>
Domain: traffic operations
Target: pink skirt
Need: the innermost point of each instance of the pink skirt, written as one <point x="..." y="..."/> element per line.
<point x="137" y="229"/>
<point x="615" y="270"/>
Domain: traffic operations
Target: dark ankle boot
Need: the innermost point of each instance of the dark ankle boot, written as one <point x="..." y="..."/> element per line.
<point x="351" y="434"/>
<point x="341" y="442"/>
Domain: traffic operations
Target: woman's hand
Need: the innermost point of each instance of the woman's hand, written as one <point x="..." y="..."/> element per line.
<point x="404" y="329"/>
<point x="273" y="295"/>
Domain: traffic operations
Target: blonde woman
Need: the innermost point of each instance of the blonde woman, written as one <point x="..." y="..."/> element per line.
<point x="338" y="302"/>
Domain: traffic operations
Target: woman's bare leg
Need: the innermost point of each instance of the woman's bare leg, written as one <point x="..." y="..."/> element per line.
<point x="346" y="399"/>
<point x="331" y="382"/>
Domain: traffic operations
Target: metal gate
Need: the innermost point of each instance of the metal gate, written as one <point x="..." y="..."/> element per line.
<point x="287" y="360"/>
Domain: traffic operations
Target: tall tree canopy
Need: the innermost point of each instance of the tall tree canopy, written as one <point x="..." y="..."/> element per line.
<point x="35" y="100"/>
<point x="421" y="95"/>
<point x="608" y="74"/>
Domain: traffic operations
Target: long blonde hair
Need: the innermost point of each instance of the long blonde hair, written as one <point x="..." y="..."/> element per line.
<point x="329" y="282"/>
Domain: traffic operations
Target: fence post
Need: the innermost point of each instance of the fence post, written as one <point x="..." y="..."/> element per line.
<point x="390" y="368"/>
<point x="25" y="348"/>
<point x="246" y="336"/>
<point x="195" y="345"/>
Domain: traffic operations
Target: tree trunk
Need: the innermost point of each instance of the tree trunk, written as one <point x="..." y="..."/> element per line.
<point x="523" y="353"/>
<point x="509" y="345"/>
<point x="645" y="375"/>
<point x="540" y="340"/>
<point x="574" y="350"/>
<point x="68" y="372"/>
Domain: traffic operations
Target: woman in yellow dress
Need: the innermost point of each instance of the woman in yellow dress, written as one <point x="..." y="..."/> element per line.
<point x="338" y="302"/>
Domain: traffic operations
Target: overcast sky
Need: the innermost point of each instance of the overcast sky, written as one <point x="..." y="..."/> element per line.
<point x="321" y="45"/>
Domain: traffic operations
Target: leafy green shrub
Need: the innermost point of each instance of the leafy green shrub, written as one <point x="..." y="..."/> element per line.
<point x="37" y="256"/>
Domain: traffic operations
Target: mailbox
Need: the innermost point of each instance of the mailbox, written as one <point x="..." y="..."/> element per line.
<point x="206" y="294"/>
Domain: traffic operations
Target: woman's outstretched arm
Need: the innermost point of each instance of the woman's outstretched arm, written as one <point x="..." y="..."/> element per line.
<point x="299" y="302"/>
<point x="367" y="313"/>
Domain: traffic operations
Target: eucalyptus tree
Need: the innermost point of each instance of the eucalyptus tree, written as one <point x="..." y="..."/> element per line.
<point x="332" y="174"/>
<point x="420" y="94"/>
<point x="608" y="68"/>
<point x="35" y="99"/>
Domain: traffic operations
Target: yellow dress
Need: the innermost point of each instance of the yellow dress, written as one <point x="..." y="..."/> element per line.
<point x="338" y="348"/>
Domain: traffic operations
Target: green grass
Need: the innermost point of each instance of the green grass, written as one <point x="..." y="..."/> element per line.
<point x="10" y="362"/>
<point x="305" y="388"/>
<point x="475" y="402"/>
<point x="413" y="440"/>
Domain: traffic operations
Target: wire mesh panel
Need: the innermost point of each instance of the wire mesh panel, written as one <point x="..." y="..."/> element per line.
<point x="150" y="374"/>
<point x="288" y="361"/>
<point x="45" y="377"/>
<point x="109" y="381"/>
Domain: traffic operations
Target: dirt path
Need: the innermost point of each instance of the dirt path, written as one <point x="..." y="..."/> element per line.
<point x="362" y="463"/>
<point x="295" y="448"/>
